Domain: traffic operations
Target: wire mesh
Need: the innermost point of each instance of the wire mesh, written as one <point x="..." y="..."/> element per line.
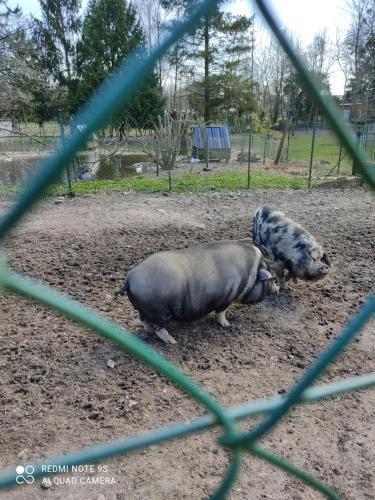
<point x="118" y="89"/>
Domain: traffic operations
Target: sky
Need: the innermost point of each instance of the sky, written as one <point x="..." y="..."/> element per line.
<point x="303" y="18"/>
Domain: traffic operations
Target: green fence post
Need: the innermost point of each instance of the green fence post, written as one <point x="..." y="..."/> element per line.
<point x="248" y="159"/>
<point x="265" y="149"/>
<point x="339" y="163"/>
<point x="157" y="161"/>
<point x="358" y="141"/>
<point x="205" y="145"/>
<point x="62" y="132"/>
<point x="169" y="180"/>
<point x="312" y="154"/>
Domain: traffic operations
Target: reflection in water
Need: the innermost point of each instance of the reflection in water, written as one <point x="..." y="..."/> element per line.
<point x="120" y="165"/>
<point x="18" y="170"/>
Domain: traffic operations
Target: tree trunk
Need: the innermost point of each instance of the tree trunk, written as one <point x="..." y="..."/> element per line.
<point x="206" y="71"/>
<point x="281" y="144"/>
<point x="175" y="79"/>
<point x="159" y="60"/>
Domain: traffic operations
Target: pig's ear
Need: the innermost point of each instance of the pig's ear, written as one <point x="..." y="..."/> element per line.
<point x="264" y="274"/>
<point x="326" y="260"/>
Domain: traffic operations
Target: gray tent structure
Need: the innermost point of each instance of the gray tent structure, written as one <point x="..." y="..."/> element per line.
<point x="218" y="142"/>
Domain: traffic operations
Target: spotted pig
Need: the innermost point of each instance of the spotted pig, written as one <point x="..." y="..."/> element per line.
<point x="189" y="283"/>
<point x="289" y="247"/>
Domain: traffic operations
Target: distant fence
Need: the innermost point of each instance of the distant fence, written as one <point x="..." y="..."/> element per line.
<point x="21" y="153"/>
<point x="329" y="157"/>
<point x="367" y="143"/>
<point x="27" y="143"/>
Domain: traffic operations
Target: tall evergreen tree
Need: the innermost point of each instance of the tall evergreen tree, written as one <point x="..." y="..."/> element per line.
<point x="111" y="31"/>
<point x="56" y="36"/>
<point x="214" y="49"/>
<point x="200" y="44"/>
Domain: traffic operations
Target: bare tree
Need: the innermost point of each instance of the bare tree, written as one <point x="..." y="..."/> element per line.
<point x="154" y="19"/>
<point x="165" y="144"/>
<point x="359" y="43"/>
<point x="18" y="72"/>
<point x="342" y="57"/>
<point x="272" y="70"/>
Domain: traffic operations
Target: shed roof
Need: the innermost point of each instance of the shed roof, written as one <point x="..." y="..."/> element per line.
<point x="218" y="137"/>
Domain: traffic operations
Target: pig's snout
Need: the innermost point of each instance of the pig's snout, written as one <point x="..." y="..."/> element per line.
<point x="323" y="270"/>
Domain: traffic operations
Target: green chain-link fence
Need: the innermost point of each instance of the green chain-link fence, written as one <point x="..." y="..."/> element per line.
<point x="113" y="93"/>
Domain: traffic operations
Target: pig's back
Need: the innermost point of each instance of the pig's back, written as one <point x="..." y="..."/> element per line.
<point x="191" y="282"/>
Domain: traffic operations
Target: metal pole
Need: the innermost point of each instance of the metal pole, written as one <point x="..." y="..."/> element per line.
<point x="252" y="55"/>
<point x="248" y="159"/>
<point x="169" y="180"/>
<point x="312" y="153"/>
<point x="358" y="141"/>
<point x="339" y="163"/>
<point x="205" y="145"/>
<point x="365" y="145"/>
<point x="62" y="132"/>
<point x="265" y="148"/>
<point x="157" y="159"/>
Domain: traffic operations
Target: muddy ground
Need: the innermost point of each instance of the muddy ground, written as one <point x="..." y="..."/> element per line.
<point x="58" y="394"/>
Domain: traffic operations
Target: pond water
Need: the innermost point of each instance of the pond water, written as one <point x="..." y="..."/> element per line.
<point x="18" y="169"/>
<point x="120" y="165"/>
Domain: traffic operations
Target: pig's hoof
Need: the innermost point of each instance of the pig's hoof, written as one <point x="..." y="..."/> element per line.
<point x="164" y="336"/>
<point x="224" y="323"/>
<point x="222" y="320"/>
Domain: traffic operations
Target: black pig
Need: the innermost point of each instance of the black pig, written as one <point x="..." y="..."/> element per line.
<point x="188" y="284"/>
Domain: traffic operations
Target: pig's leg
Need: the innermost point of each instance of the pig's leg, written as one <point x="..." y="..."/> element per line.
<point x="147" y="327"/>
<point x="221" y="319"/>
<point x="279" y="271"/>
<point x="163" y="334"/>
<point x="290" y="275"/>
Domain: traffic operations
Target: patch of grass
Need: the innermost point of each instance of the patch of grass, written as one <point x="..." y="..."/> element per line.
<point x="326" y="147"/>
<point x="186" y="182"/>
<point x="180" y="183"/>
<point x="11" y="189"/>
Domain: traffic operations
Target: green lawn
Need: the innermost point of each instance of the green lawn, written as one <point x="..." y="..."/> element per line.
<point x="326" y="148"/>
<point x="188" y="182"/>
<point x="180" y="183"/>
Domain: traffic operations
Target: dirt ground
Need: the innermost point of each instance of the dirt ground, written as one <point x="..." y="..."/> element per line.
<point x="58" y="394"/>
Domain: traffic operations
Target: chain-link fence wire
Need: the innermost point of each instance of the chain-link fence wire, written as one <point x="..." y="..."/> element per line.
<point x="112" y="94"/>
<point x="367" y="142"/>
<point x="123" y="151"/>
<point x="329" y="156"/>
